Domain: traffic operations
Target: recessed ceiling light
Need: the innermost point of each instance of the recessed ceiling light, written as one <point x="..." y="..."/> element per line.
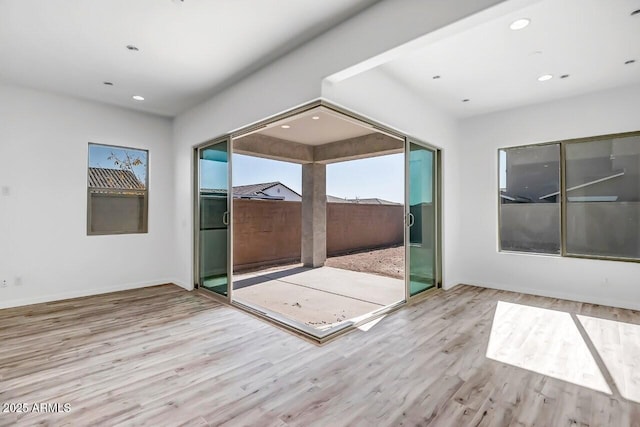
<point x="138" y="97"/>
<point x="436" y="77"/>
<point x="545" y="77"/>
<point x="285" y="126"/>
<point x="631" y="61"/>
<point x="466" y="100"/>
<point x="108" y="83"/>
<point x="635" y="12"/>
<point x="132" y="47"/>
<point x="316" y="117"/>
<point x="519" y="24"/>
<point x="564" y="76"/>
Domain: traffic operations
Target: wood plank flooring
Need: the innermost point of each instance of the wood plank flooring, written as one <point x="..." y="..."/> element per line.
<point x="162" y="356"/>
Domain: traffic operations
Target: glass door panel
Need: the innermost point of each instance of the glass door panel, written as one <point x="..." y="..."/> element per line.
<point x="213" y="166"/>
<point x="422" y="216"/>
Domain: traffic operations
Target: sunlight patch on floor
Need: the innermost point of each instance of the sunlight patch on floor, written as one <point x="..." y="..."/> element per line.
<point x="367" y="326"/>
<point x="544" y="341"/>
<point x="618" y="345"/>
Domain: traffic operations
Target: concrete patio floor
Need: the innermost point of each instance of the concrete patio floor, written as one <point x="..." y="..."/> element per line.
<point x="318" y="297"/>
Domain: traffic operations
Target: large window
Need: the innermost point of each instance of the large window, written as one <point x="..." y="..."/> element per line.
<point x="598" y="198"/>
<point x="117" y="191"/>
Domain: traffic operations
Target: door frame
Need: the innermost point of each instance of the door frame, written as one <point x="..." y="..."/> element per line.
<point x="437" y="200"/>
<point x="196" y="216"/>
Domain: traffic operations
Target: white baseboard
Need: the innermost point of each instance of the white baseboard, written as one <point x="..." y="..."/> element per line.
<point x="83" y="293"/>
<point x="609" y="302"/>
<point x="632" y="305"/>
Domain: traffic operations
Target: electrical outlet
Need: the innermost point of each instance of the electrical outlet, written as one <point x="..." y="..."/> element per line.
<point x="3" y="284"/>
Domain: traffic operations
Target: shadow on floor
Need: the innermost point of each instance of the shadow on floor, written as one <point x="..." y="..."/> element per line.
<point x="265" y="277"/>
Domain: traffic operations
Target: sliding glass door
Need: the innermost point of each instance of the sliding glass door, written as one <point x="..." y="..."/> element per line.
<point x="213" y="245"/>
<point x="422" y="218"/>
<point x="213" y="216"/>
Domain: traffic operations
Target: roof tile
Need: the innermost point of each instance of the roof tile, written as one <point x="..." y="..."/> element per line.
<point x="114" y="178"/>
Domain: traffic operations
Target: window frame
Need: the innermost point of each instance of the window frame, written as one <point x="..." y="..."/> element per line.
<point x="145" y="206"/>
<point x="562" y="198"/>
<point x="561" y="171"/>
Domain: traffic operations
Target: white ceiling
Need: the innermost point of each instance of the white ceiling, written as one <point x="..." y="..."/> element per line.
<point x="329" y="127"/>
<point x="497" y="68"/>
<point x="188" y="50"/>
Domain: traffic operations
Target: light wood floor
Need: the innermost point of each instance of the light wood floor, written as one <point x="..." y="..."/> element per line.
<point x="163" y="356"/>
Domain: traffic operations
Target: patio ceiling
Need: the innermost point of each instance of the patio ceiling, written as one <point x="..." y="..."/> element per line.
<point x="319" y="135"/>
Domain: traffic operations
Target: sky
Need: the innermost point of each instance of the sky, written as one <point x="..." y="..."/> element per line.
<point x="254" y="170"/>
<point x="381" y="177"/>
<point x="99" y="157"/>
<point x="376" y="177"/>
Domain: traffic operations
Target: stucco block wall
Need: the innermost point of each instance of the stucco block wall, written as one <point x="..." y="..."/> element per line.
<point x="265" y="231"/>
<point x="269" y="232"/>
<point x="353" y="227"/>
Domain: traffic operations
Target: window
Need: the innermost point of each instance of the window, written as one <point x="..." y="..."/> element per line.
<point x="117" y="190"/>
<point x="603" y="197"/>
<point x="529" y="199"/>
<point x="598" y="199"/>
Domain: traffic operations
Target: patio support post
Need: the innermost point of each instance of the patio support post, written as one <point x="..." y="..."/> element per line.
<point x="314" y="214"/>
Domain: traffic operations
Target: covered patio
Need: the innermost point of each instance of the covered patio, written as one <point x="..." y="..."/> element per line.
<point x="318" y="297"/>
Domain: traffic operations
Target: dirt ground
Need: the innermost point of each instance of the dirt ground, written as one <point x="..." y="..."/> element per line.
<point x="385" y="262"/>
<point x="388" y="262"/>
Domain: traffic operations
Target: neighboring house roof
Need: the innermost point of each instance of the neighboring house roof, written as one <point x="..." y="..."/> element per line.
<point x="114" y="178"/>
<point x="375" y="201"/>
<point x="214" y="190"/>
<point x="252" y="191"/>
<point x="368" y="201"/>
<point x="257" y="191"/>
<point x="334" y="199"/>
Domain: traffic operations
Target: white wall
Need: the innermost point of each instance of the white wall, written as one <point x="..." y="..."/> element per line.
<point x="43" y="163"/>
<point x="602" y="282"/>
<point x="386" y="100"/>
<point x="296" y="79"/>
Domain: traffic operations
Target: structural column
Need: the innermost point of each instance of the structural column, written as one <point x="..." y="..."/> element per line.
<point x="314" y="214"/>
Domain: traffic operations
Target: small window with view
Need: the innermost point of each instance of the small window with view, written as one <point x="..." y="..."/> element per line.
<point x="117" y="190"/>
